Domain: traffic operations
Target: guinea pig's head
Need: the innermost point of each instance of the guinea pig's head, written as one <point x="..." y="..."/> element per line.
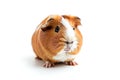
<point x="60" y="32"/>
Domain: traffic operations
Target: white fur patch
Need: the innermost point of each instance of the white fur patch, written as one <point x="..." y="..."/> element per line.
<point x="70" y="36"/>
<point x="63" y="56"/>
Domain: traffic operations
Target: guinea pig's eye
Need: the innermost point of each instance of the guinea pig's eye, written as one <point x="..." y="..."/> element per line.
<point x="57" y="29"/>
<point x="73" y="28"/>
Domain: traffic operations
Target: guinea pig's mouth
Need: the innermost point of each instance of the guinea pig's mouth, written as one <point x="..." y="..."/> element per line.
<point x="67" y="49"/>
<point x="70" y="46"/>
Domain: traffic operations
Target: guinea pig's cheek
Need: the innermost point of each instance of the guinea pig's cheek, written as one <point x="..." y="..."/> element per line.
<point x="54" y="41"/>
<point x="74" y="45"/>
<point x="54" y="45"/>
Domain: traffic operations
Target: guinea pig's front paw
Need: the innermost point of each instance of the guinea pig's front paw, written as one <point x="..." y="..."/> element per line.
<point x="48" y="64"/>
<point x="71" y="63"/>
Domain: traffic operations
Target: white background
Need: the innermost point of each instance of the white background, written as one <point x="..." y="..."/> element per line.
<point x="99" y="58"/>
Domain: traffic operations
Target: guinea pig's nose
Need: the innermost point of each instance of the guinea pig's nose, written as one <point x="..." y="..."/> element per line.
<point x="68" y="42"/>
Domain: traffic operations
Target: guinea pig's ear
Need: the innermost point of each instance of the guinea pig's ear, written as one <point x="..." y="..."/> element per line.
<point x="66" y="16"/>
<point x="73" y="19"/>
<point x="45" y="26"/>
<point x="77" y="21"/>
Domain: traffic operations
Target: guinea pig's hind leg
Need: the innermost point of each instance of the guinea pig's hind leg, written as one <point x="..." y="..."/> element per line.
<point x="71" y="63"/>
<point x="48" y="64"/>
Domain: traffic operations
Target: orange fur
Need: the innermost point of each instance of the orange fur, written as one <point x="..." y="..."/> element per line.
<point x="47" y="44"/>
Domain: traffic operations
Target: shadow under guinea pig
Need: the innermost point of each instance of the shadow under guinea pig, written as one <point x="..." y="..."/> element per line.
<point x="40" y="62"/>
<point x="35" y="62"/>
<point x="36" y="66"/>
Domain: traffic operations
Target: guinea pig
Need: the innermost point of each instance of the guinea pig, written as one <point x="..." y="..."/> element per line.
<point x="57" y="39"/>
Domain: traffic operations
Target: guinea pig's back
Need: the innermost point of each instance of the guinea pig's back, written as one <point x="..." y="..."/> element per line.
<point x="36" y="44"/>
<point x="38" y="47"/>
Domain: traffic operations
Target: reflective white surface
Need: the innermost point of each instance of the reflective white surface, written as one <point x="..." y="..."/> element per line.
<point x="99" y="58"/>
